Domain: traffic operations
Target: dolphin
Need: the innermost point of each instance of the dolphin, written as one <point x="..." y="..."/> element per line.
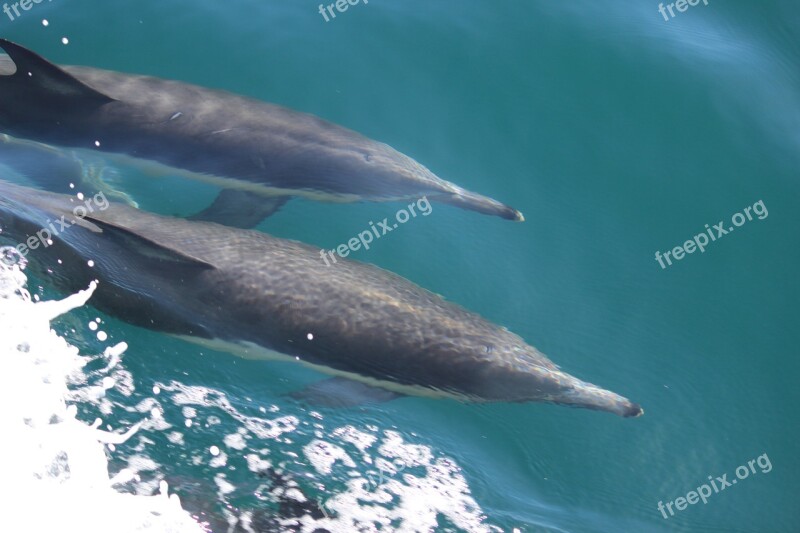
<point x="58" y="170"/>
<point x="261" y="297"/>
<point x="259" y="154"/>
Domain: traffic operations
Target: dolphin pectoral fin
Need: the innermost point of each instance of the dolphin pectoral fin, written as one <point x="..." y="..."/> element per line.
<point x="132" y="241"/>
<point x="240" y="209"/>
<point x="343" y="392"/>
<point x="37" y="72"/>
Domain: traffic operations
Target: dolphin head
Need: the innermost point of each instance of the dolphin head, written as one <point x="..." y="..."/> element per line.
<point x="395" y="167"/>
<point x="379" y="172"/>
<point x="563" y="389"/>
<point x="517" y="372"/>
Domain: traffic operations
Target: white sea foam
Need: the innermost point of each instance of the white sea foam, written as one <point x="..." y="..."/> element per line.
<point x="55" y="469"/>
<point x="359" y="476"/>
<point x="411" y="490"/>
<point x="380" y="481"/>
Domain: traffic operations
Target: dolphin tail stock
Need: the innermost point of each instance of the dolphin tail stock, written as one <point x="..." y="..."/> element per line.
<point x="477" y="202"/>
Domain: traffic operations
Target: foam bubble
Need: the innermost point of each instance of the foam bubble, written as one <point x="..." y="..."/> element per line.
<point x="47" y="454"/>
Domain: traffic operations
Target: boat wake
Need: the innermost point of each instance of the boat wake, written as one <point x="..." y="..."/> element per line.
<point x="55" y="465"/>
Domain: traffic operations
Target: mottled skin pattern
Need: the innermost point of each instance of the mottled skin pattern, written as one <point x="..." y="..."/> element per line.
<point x="266" y="148"/>
<point x="212" y="281"/>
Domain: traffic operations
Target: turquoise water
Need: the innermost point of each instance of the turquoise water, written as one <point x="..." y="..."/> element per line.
<point x="617" y="134"/>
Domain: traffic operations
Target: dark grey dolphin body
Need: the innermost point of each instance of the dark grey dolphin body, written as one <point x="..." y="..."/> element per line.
<point x="264" y="297"/>
<point x="260" y="154"/>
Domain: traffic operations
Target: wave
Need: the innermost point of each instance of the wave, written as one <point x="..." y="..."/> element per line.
<point x="56" y="465"/>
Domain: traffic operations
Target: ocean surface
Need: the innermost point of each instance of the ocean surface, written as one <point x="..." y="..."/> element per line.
<point x="620" y="132"/>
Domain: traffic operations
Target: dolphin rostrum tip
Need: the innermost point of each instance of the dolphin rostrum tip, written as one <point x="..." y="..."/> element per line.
<point x="634" y="411"/>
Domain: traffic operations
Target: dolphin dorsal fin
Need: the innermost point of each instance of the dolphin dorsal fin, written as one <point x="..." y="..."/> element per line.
<point x="35" y="70"/>
<point x="148" y="247"/>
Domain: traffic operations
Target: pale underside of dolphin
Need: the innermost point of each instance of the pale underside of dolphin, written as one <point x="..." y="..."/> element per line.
<point x="260" y="154"/>
<point x="263" y="297"/>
